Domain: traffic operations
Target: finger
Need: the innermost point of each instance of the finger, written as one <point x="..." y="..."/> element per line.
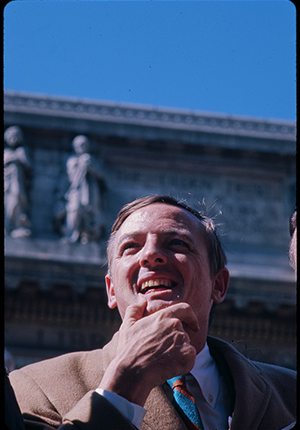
<point x="184" y="313"/>
<point x="134" y="312"/>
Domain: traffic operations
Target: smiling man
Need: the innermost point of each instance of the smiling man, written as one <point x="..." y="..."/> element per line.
<point x="166" y="274"/>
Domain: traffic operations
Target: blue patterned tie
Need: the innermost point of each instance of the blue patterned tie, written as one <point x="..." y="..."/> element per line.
<point x="185" y="403"/>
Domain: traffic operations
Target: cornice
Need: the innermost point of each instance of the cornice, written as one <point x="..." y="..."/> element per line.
<point x="146" y="116"/>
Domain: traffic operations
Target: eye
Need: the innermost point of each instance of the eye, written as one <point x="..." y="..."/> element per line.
<point x="128" y="247"/>
<point x="179" y="243"/>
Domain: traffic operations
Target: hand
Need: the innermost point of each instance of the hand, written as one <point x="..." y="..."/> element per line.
<point x="85" y="159"/>
<point x="151" y="350"/>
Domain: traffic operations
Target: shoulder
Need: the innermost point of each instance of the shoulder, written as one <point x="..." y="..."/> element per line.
<point x="72" y="160"/>
<point x="62" y="370"/>
<point x="82" y="369"/>
<point x="79" y="365"/>
<point x="51" y="388"/>
<point x="283" y="388"/>
<point x="269" y="371"/>
<point x="269" y="387"/>
<point x="280" y="377"/>
<point x="57" y="385"/>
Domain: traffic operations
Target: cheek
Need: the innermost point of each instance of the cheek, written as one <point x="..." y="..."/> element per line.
<point x="200" y="285"/>
<point x="123" y="298"/>
<point x="125" y="269"/>
<point x="183" y="264"/>
<point x="125" y="278"/>
<point x="193" y="269"/>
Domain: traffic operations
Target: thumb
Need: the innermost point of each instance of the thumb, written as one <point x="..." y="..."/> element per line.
<point x="134" y="312"/>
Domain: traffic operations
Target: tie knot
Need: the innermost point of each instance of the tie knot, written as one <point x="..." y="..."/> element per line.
<point x="177" y="381"/>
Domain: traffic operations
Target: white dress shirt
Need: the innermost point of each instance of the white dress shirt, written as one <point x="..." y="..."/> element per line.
<point x="207" y="390"/>
<point x="133" y="412"/>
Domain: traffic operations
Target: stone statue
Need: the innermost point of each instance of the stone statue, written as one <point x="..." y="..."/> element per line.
<point x="84" y="208"/>
<point x="17" y="172"/>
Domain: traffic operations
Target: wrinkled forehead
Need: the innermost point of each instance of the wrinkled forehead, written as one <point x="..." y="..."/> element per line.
<point x="162" y="217"/>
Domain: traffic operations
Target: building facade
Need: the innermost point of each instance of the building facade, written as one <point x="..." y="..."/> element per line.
<point x="55" y="262"/>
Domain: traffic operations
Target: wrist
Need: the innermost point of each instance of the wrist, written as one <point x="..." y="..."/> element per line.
<point x="127" y="382"/>
<point x="133" y="412"/>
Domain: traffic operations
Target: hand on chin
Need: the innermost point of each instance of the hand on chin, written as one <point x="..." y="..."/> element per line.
<point x="156" y="304"/>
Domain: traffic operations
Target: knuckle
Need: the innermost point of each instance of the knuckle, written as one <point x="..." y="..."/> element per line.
<point x="176" y="324"/>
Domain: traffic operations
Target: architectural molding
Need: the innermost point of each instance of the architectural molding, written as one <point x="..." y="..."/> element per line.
<point x="138" y="120"/>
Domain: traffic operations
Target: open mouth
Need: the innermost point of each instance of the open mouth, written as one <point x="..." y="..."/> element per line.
<point x="156" y="284"/>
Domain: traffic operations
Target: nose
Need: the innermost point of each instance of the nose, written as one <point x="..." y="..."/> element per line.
<point x="152" y="253"/>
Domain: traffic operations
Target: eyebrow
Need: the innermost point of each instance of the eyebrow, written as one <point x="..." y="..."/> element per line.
<point x="179" y="232"/>
<point x="128" y="236"/>
<point x="167" y="232"/>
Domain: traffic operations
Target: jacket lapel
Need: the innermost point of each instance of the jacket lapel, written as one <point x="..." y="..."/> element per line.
<point x="161" y="414"/>
<point x="252" y="393"/>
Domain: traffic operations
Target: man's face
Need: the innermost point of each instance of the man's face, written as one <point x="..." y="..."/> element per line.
<point x="160" y="253"/>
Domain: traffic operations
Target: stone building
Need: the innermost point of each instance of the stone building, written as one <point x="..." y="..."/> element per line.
<point x="55" y="299"/>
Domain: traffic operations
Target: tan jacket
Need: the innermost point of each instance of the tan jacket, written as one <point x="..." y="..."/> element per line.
<point x="60" y="393"/>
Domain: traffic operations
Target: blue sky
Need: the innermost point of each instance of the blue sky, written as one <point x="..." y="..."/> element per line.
<point x="233" y="57"/>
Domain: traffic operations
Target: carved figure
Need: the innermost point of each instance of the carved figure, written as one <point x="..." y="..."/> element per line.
<point x="84" y="209"/>
<point x="16" y="178"/>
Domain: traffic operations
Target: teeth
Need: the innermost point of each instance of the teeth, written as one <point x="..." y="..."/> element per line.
<point x="155" y="283"/>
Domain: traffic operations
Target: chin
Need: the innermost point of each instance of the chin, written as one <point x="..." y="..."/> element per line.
<point x="156" y="305"/>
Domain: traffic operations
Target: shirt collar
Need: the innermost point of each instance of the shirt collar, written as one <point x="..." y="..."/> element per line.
<point x="207" y="375"/>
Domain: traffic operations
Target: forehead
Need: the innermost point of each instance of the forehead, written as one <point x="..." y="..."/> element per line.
<point x="160" y="217"/>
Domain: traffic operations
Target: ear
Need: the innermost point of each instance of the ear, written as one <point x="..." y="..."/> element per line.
<point x="220" y="286"/>
<point x="112" y="301"/>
